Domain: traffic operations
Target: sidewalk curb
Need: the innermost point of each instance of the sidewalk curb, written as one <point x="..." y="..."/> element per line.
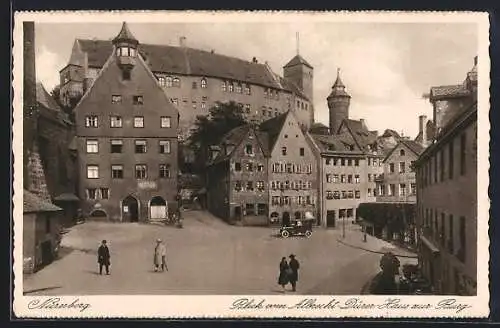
<point x="376" y="252"/>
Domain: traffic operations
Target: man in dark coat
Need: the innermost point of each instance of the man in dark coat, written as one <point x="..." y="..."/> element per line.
<point x="103" y="257"/>
<point x="294" y="266"/>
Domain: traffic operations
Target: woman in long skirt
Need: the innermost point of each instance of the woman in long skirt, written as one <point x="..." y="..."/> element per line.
<point x="283" y="277"/>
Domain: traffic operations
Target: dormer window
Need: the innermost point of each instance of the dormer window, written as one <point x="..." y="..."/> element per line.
<point x="203" y="83"/>
<point x="126" y="52"/>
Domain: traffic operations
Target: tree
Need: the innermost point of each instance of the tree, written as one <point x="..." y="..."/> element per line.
<point x="210" y="129"/>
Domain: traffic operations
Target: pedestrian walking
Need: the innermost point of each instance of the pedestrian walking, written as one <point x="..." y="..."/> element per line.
<point x="294" y="266"/>
<point x="283" y="278"/>
<point x="103" y="257"/>
<point x="160" y="256"/>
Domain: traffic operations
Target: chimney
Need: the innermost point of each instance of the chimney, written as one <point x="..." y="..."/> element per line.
<point x="182" y="41"/>
<point x="363" y="123"/>
<point x="422" y="128"/>
<point x="475" y="61"/>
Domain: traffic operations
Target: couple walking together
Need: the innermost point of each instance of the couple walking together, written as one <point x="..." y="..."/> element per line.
<point x="289" y="272"/>
<point x="160" y="256"/>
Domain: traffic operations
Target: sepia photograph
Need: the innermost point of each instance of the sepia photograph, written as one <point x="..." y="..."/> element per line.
<point x="263" y="154"/>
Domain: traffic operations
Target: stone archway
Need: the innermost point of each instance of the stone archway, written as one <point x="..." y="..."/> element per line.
<point x="98" y="214"/>
<point x="130" y="209"/>
<point x="158" y="208"/>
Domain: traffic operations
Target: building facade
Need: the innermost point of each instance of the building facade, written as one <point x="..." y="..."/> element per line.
<point x="126" y="130"/>
<point x="447" y="193"/>
<point x="292" y="171"/>
<point x="196" y="80"/>
<point x="398" y="183"/>
<point x="238" y="177"/>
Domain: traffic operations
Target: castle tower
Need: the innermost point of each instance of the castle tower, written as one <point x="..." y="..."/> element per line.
<point x="300" y="72"/>
<point x="338" y="104"/>
<point x="126" y="50"/>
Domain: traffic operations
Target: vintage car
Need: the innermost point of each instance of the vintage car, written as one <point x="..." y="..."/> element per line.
<point x="298" y="228"/>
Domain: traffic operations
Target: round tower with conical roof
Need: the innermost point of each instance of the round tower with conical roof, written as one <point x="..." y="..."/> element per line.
<point x="126" y="50"/>
<point x="338" y="104"/>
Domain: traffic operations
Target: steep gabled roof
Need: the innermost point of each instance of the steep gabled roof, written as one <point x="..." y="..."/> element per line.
<point x="187" y="61"/>
<point x="272" y="128"/>
<point x="334" y="143"/>
<point x="33" y="203"/>
<point x="390" y="133"/>
<point x="410" y="144"/>
<point x="447" y="91"/>
<point x="45" y="99"/>
<point x="360" y="134"/>
<point x="298" y="60"/>
<point x="291" y="86"/>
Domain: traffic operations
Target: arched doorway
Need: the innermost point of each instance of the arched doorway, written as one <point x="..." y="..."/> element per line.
<point x="297" y="215"/>
<point x="286" y="219"/>
<point x="157" y="208"/>
<point x="130" y="209"/>
<point x="98" y="214"/>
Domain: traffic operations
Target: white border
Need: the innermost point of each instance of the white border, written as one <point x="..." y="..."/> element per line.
<point x="173" y="306"/>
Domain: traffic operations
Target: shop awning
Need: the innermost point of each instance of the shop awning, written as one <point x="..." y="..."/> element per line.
<point x="429" y="244"/>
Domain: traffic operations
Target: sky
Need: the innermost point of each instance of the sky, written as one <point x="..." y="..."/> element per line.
<point x="386" y="67"/>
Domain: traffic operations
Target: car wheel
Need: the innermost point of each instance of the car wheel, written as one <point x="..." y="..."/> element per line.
<point x="285" y="234"/>
<point x="308" y="233"/>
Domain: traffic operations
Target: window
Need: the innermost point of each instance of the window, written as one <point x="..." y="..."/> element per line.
<point x="194" y="104"/>
<point x="349" y="178"/>
<point x="203" y="83"/>
<point x="231" y="87"/>
<point x="350" y="194"/>
<point x="402" y="152"/>
<point x="260" y="168"/>
<point x="370" y="193"/>
<point x="116" y="121"/>
<point x="203" y="105"/>
<point x="238" y="186"/>
<point x="195" y="85"/>
<point x="92" y="146"/>
<point x="116" y="99"/>
<point x="126" y="75"/>
<point x="164" y="146"/>
<point x="91" y="121"/>
<point x="356" y="162"/>
<point x="342" y="162"/>
<point x="141" y="171"/>
<point x="175" y="101"/>
<point x="451" y="159"/>
<point x="164" y="171"/>
<point x="140" y="146"/>
<point x="116" y="146"/>
<point x="224" y="86"/>
<point x="138" y="122"/>
<point x="302" y="151"/>
<point x="402" y="189"/>
<point x="176" y="82"/>
<point x="463" y="166"/>
<point x="413" y="188"/>
<point x="249" y="186"/>
<point x="92" y="172"/>
<point x="335" y="178"/>
<point x="238" y="88"/>
<point x="392" y="190"/>
<point x="165" y="122"/>
<point x="369" y="178"/>
<point x="349" y="162"/>
<point x="342" y="178"/>
<point x="462" y="239"/>
<point x="412" y="166"/>
<point x="47" y="225"/>
<point x="260" y="185"/>
<point x="402" y="167"/>
<point x="357" y="194"/>
<point x="138" y="100"/>
<point x="381" y="190"/>
<point x="247" y="89"/>
<point x="161" y="81"/>
<point x="237" y="166"/>
<point x="451" y="245"/>
<point x="356" y="178"/>
<point x="249" y="209"/>
<point x="117" y="171"/>
<point x="91" y="193"/>
<point x="249" y="149"/>
<point x="391" y="167"/>
<point x="249" y="166"/>
<point x="104" y="193"/>
<point x="168" y="81"/>
<point x="283" y="151"/>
